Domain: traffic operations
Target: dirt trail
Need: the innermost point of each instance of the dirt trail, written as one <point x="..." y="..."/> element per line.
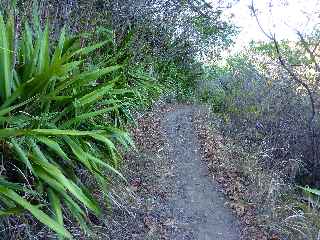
<point x="196" y="204"/>
<point x="175" y="196"/>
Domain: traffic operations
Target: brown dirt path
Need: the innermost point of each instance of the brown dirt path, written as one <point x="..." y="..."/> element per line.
<point x="196" y="202"/>
<point x="175" y="196"/>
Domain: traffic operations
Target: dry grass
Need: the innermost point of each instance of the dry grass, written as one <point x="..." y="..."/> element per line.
<point x="265" y="201"/>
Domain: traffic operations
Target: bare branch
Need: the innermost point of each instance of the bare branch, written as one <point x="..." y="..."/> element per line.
<point x="315" y="47"/>
<point x="311" y="53"/>
<point x="286" y="67"/>
<point x="254" y="12"/>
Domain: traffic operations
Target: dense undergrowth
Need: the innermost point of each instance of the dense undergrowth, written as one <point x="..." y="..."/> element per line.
<point x="58" y="117"/>
<point x="270" y="123"/>
<point x="68" y="93"/>
<point x="73" y="73"/>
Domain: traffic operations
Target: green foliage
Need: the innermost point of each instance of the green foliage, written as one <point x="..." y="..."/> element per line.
<point x="266" y="112"/>
<point x="202" y="24"/>
<point x="64" y="107"/>
<point x="313" y="191"/>
<point x="136" y="76"/>
<point x="240" y="85"/>
<point x="291" y="51"/>
<point x="220" y="35"/>
<point x="58" y="116"/>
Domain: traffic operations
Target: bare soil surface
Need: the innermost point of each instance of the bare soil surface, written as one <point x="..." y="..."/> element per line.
<point x="175" y="196"/>
<point x="197" y="204"/>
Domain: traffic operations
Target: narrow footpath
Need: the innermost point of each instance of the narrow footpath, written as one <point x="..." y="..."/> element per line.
<point x="175" y="196"/>
<point x="197" y="205"/>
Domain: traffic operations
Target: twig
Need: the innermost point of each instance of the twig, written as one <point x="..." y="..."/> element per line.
<point x="291" y="73"/>
<point x="311" y="54"/>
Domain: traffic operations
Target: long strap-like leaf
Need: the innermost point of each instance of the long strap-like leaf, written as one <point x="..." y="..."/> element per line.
<point x="5" y="62"/>
<point x="36" y="212"/>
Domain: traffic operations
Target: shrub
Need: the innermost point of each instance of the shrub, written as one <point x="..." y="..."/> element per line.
<point x="57" y="118"/>
<point x="266" y="120"/>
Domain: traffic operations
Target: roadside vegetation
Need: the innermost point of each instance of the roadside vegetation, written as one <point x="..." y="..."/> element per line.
<point x="68" y="92"/>
<point x="74" y="74"/>
<point x="265" y="101"/>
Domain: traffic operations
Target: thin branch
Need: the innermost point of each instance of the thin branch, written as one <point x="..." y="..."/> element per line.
<point x="287" y="68"/>
<point x="311" y="54"/>
<point x="315" y="47"/>
<point x="197" y="10"/>
<point x="296" y="79"/>
<point x="254" y="11"/>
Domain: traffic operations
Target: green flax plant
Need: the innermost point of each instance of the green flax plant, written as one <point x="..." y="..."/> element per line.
<point x="57" y="117"/>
